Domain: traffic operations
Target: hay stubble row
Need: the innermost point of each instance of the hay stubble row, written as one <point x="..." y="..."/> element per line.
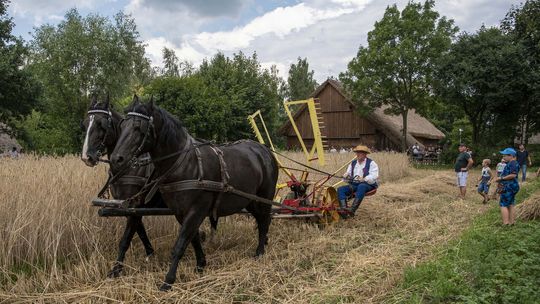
<point x="56" y="248"/>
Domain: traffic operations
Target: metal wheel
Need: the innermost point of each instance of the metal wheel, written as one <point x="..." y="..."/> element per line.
<point x="329" y="199"/>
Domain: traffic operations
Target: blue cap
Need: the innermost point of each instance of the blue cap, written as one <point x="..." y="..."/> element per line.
<point x="508" y="151"/>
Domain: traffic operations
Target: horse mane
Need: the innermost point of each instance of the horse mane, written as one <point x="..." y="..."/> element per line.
<point x="171" y="128"/>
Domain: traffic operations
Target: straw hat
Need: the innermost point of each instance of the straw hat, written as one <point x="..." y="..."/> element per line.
<point x="362" y="148"/>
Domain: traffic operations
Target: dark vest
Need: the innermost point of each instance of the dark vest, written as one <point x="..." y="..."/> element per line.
<point x="365" y="170"/>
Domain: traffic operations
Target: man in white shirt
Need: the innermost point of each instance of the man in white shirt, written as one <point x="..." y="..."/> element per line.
<point x="362" y="175"/>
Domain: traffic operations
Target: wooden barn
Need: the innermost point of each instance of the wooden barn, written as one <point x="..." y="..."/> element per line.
<point x="345" y="128"/>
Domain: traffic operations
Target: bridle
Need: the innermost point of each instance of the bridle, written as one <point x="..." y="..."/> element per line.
<point x="134" y="161"/>
<point x="102" y="147"/>
<point x="150" y="128"/>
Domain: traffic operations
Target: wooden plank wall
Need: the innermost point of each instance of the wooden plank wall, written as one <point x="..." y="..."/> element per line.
<point x="341" y="122"/>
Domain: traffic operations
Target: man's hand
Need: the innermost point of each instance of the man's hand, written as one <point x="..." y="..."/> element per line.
<point x="346" y="176"/>
<point x="464" y="169"/>
<point x="358" y="178"/>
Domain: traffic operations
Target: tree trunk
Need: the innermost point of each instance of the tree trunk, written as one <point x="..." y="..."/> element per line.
<point x="526" y="135"/>
<point x="404" y="134"/>
<point x="475" y="133"/>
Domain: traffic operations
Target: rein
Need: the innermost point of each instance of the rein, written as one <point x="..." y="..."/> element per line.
<point x="135" y="161"/>
<point x="330" y="175"/>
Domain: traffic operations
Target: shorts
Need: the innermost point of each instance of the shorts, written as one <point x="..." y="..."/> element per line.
<point x="508" y="195"/>
<point x="507" y="199"/>
<point x="462" y="178"/>
<point x="483" y="188"/>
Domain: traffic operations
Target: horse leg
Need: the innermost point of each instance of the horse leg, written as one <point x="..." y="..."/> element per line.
<point x="188" y="230"/>
<point x="141" y="231"/>
<point x="263" y="217"/>
<point x="125" y="241"/>
<point x="199" y="253"/>
<point x="196" y="242"/>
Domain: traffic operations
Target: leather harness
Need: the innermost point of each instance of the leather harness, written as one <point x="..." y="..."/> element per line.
<point x="197" y="184"/>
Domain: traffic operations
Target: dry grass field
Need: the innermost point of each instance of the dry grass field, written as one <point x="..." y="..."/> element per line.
<point x="56" y="249"/>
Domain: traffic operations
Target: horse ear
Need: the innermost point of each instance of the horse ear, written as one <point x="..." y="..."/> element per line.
<point x="151" y="103"/>
<point x="107" y="101"/>
<point x="135" y="100"/>
<point x="94" y="100"/>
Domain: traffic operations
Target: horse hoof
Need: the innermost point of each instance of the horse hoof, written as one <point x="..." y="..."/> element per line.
<point x="199" y="269"/>
<point x="115" y="273"/>
<point x="165" y="287"/>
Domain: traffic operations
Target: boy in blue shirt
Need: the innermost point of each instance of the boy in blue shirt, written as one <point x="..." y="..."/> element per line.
<point x="509" y="186"/>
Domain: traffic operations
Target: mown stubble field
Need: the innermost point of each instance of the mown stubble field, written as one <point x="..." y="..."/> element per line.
<point x="56" y="249"/>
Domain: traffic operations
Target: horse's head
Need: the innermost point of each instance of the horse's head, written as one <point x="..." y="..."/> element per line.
<point x="99" y="131"/>
<point x="138" y="134"/>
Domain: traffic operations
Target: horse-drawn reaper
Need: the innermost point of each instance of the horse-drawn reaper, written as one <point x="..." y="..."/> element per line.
<point x="194" y="179"/>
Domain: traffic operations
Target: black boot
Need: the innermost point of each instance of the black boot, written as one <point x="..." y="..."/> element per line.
<point x="343" y="212"/>
<point x="355" y="206"/>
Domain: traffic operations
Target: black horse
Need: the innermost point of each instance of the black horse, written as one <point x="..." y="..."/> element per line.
<point x="246" y="165"/>
<point x="102" y="126"/>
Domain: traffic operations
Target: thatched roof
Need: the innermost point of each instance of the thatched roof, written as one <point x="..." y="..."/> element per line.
<point x="6" y="142"/>
<point x="390" y="125"/>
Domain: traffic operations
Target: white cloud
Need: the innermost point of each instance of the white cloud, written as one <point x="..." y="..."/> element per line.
<point x="154" y="50"/>
<point x="328" y="33"/>
<point x="43" y="11"/>
<point x="282" y="68"/>
<point x="280" y="22"/>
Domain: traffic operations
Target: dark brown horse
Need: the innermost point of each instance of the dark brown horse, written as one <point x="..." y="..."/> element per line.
<point x="102" y="126"/>
<point x="246" y="165"/>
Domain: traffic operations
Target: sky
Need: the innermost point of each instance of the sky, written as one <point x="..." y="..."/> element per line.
<point x="326" y="32"/>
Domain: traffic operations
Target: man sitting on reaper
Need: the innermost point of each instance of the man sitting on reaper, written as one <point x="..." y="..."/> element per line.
<point x="362" y="174"/>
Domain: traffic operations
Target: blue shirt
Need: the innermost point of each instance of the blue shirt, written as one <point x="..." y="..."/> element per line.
<point x="511" y="185"/>
<point x="522" y="157"/>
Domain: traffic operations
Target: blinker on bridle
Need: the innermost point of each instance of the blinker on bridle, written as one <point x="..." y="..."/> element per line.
<point x="109" y="126"/>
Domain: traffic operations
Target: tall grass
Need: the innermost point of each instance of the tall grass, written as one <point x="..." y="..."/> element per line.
<point x="56" y="249"/>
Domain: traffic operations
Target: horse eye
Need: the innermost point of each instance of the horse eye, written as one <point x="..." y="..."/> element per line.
<point x="104" y="124"/>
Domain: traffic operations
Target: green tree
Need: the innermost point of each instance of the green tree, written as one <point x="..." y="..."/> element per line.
<point x="199" y="108"/>
<point x="481" y="76"/>
<point x="245" y="87"/>
<point x="82" y="56"/>
<point x="19" y="92"/>
<point x="396" y="69"/>
<point x="171" y="66"/>
<point x="214" y="101"/>
<point x="522" y="24"/>
<point x="300" y="83"/>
